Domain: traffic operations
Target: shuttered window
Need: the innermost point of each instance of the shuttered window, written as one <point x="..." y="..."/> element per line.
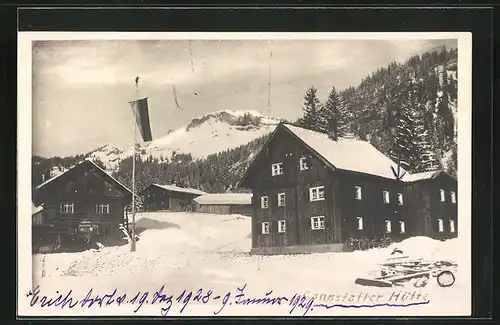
<point x="265" y="228"/>
<point x="281" y="199"/>
<point x="67" y="208"/>
<point x="102" y="208"/>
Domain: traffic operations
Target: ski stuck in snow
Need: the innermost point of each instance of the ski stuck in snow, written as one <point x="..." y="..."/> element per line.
<point x="397" y="271"/>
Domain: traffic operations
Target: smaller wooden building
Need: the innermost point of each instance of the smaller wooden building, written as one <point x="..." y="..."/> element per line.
<point x="158" y="197"/>
<point x="432" y="204"/>
<point x="83" y="195"/>
<point x="224" y="203"/>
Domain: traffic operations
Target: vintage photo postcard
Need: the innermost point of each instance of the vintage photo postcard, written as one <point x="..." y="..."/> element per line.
<point x="282" y="174"/>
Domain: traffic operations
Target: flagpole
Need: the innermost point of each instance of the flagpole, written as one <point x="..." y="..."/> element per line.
<point x="132" y="241"/>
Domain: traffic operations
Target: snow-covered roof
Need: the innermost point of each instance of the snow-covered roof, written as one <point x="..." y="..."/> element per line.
<point x="225" y="198"/>
<point x="87" y="160"/>
<point x="348" y="154"/>
<point x="423" y="176"/>
<point x="36" y="209"/>
<point x="175" y="188"/>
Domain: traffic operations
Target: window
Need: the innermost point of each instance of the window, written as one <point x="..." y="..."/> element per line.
<point x="317" y="193"/>
<point x="386" y="197"/>
<point x="317" y="223"/>
<point x="442" y="196"/>
<point x="264" y="202"/>
<point x="360" y="223"/>
<point x="452" y="225"/>
<point x="440" y="225"/>
<point x="102" y="208"/>
<point x="281" y="226"/>
<point x="277" y="169"/>
<point x="453" y="197"/>
<point x="358" y="192"/>
<point x="265" y="228"/>
<point x="281" y="199"/>
<point x="38" y="219"/>
<point x="388" y="227"/>
<point x="67" y="208"/>
<point x="303" y="163"/>
<point x="402" y="228"/>
<point x="400" y="198"/>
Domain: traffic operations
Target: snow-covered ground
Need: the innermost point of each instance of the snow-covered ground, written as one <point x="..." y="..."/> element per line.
<point x="189" y="251"/>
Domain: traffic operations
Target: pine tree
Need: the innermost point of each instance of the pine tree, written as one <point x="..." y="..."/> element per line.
<point x="334" y="112"/>
<point x="311" y="118"/>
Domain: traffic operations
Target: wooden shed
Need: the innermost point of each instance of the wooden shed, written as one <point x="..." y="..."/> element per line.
<point x="158" y="197"/>
<point x="224" y="203"/>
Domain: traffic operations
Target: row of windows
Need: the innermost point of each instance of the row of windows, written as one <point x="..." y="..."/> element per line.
<point x="318" y="194"/>
<point x="277" y="168"/>
<point x="319" y="223"/>
<point x="442" y="196"/>
<point x="69" y="208"/>
<point x="386" y="197"/>
<point x="440" y="225"/>
<point x="315" y="194"/>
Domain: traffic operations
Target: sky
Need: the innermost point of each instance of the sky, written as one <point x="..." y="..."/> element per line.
<point x="81" y="89"/>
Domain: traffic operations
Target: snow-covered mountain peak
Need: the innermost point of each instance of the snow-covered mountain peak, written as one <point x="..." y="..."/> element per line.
<point x="204" y="135"/>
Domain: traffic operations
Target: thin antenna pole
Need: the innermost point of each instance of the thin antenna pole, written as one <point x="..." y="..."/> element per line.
<point x="132" y="241"/>
<point x="269" y="87"/>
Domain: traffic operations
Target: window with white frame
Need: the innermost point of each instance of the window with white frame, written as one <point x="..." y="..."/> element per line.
<point x="102" y="208"/>
<point x="264" y="202"/>
<point x="277" y="169"/>
<point x="360" y="223"/>
<point x="281" y="199"/>
<point x="318" y="222"/>
<point x="303" y="163"/>
<point x="442" y="195"/>
<point x="317" y="193"/>
<point x="386" y="197"/>
<point x="358" y="193"/>
<point x="402" y="228"/>
<point x="265" y="228"/>
<point x="452" y="225"/>
<point x="388" y="226"/>
<point x="38" y="219"/>
<point x="440" y="225"/>
<point x="67" y="208"/>
<point x="281" y="226"/>
<point x="453" y="197"/>
<point x="400" y="198"/>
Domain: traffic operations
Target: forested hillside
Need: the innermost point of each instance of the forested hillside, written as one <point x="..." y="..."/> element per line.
<point x="407" y="111"/>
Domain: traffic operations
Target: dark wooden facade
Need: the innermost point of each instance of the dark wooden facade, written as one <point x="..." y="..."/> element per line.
<point x="432" y="206"/>
<point x="340" y="208"/>
<point x="157" y="198"/>
<point x="84" y="193"/>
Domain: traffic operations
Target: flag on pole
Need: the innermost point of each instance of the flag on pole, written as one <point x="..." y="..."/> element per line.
<point x="175" y="98"/>
<point x="141" y="112"/>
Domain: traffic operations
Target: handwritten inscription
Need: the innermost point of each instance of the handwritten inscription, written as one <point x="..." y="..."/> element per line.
<point x="297" y="303"/>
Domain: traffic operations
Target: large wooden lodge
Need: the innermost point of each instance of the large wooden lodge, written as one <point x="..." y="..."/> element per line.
<point x="314" y="192"/>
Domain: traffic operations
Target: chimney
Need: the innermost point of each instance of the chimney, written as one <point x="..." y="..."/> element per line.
<point x="332" y="129"/>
